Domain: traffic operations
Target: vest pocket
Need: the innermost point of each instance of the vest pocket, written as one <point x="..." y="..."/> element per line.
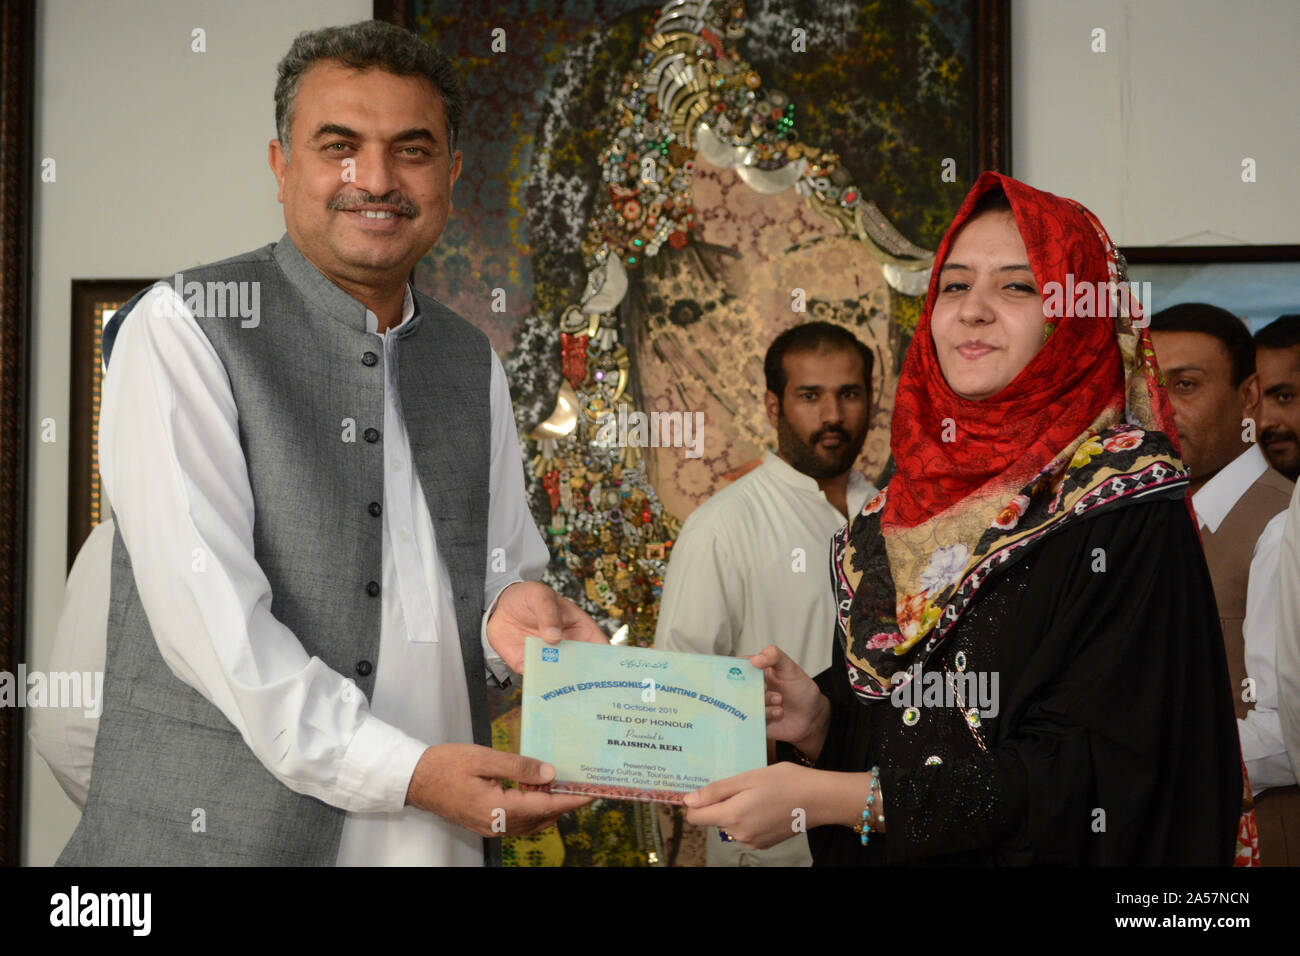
<point x="179" y="702"/>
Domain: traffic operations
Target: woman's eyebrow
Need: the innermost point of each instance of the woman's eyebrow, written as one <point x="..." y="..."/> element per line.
<point x="1015" y="267"/>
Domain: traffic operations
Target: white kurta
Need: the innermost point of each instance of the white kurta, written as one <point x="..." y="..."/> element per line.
<point x="1288" y="632"/>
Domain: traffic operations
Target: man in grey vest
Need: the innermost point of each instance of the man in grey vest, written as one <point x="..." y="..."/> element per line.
<point x="322" y="540"/>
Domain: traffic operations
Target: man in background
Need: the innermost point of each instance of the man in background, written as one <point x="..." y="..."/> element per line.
<point x="749" y="567"/>
<point x="1277" y="362"/>
<point x="1207" y="358"/>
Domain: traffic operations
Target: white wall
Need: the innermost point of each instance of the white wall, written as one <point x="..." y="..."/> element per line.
<point x="160" y="158"/>
<point x="161" y="164"/>
<point x="1150" y="135"/>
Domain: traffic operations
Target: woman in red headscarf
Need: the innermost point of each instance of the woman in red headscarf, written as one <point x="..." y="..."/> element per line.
<point x="1028" y="666"/>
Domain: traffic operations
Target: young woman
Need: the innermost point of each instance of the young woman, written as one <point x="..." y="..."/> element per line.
<point x="1028" y="667"/>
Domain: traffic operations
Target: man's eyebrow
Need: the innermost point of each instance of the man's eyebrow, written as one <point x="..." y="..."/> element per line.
<point x="841" y="387"/>
<point x="1178" y="369"/>
<point x="405" y="136"/>
<point x="416" y="132"/>
<point x="334" y="129"/>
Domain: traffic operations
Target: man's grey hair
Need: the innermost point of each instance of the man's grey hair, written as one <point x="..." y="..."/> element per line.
<point x="370" y="43"/>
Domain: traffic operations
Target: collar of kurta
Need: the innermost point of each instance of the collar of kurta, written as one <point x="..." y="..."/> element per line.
<point x="327" y="297"/>
<point x="791" y="475"/>
<point x="1221" y="493"/>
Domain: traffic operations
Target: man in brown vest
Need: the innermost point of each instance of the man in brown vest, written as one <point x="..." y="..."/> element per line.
<point x="1207" y="358"/>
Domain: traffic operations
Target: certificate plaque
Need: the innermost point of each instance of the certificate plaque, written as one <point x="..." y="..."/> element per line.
<point x="632" y="723"/>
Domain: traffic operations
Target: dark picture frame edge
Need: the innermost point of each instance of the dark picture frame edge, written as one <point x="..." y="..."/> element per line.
<point x="1162" y="255"/>
<point x="87" y="294"/>
<point x="17" y="72"/>
<point x="993" y="85"/>
<point x="393" y="11"/>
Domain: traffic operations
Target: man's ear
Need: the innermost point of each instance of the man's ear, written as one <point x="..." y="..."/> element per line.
<point x="279" y="162"/>
<point x="1250" y="396"/>
<point x="772" y="403"/>
<point x="454" y="174"/>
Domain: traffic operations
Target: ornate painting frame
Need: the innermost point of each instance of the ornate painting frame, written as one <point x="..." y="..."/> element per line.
<point x="589" y="368"/>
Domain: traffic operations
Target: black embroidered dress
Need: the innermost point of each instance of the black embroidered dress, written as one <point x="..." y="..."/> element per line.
<point x="1110" y="739"/>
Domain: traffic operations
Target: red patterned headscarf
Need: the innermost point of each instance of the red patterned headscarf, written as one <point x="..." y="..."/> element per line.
<point x="1004" y="440"/>
<point x="1084" y="426"/>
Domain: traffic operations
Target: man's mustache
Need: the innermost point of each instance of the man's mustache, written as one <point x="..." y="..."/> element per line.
<point x="830" y="430"/>
<point x="392" y="202"/>
<point x="1274" y="433"/>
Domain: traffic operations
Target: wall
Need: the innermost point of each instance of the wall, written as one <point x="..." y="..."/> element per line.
<point x="1150" y="135"/>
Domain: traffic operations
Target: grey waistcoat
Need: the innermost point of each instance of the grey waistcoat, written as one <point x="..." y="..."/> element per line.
<point x="163" y="751"/>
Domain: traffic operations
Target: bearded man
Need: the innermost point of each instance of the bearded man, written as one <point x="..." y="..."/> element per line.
<point x="749" y="567"/>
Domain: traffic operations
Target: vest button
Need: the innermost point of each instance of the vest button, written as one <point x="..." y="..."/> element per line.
<point x="364" y="668"/>
<point x="375" y="509"/>
<point x="371" y="435"/>
<point x="369" y="358"/>
<point x="373" y="588"/>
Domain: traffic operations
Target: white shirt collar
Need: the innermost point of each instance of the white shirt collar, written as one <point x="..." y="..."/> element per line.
<point x="408" y="309"/>
<point x="1218" y="495"/>
<point x="782" y="469"/>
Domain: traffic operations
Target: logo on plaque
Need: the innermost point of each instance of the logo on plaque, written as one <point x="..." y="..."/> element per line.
<point x="735" y="674"/>
<point x="550" y="653"/>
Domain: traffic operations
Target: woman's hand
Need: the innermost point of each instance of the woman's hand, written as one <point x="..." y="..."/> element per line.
<point x="797" y="711"/>
<point x="759" y="808"/>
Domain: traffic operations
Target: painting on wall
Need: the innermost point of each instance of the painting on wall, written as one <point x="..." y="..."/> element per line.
<point x="650" y="194"/>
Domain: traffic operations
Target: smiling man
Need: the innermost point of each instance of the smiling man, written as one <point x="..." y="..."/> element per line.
<point x="749" y="567"/>
<point x="303" y="605"/>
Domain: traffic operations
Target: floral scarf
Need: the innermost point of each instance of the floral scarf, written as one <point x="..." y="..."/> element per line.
<point x="1083" y="428"/>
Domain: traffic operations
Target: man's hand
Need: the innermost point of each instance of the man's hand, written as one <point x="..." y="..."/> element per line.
<point x="461" y="783"/>
<point x="531" y="608"/>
